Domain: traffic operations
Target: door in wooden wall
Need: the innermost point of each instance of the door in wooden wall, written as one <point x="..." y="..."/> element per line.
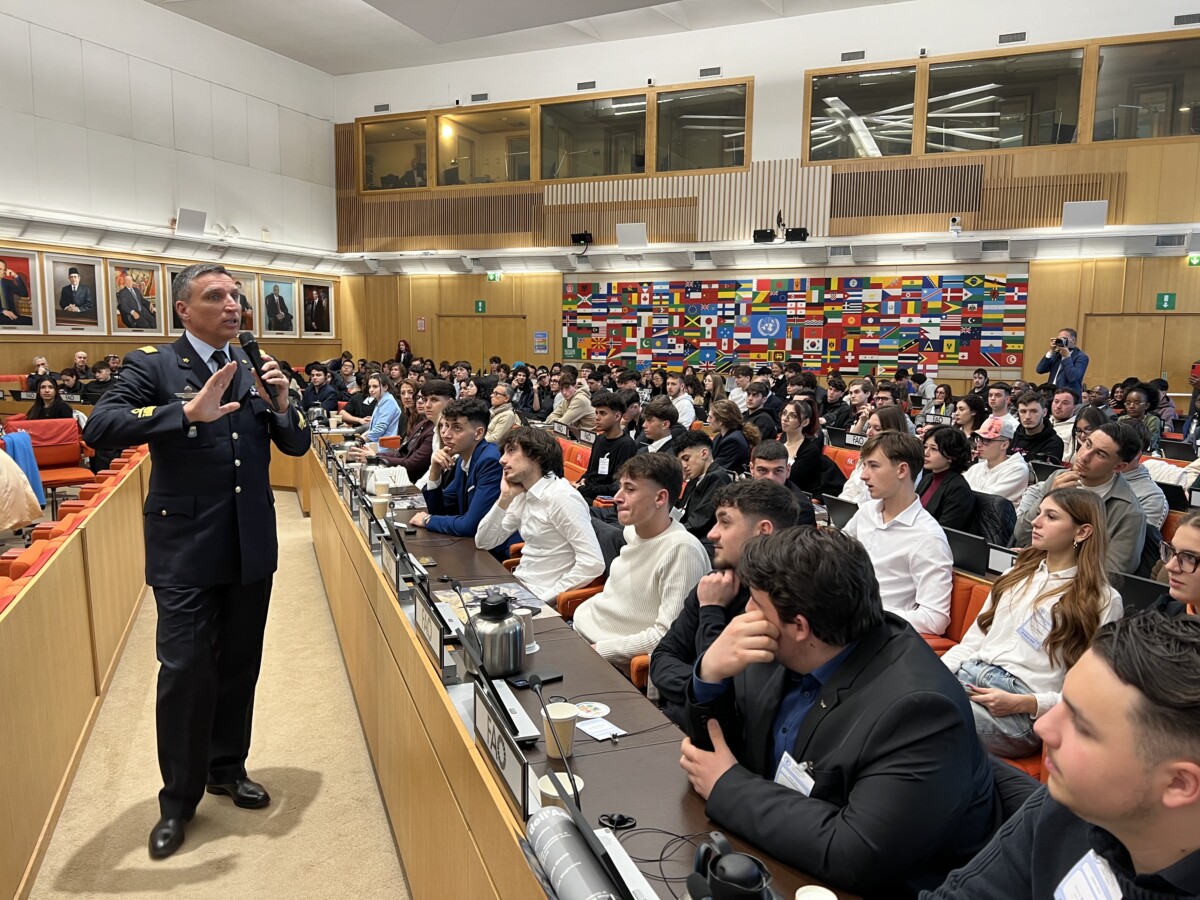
<point x="1144" y="345"/>
<point x="475" y="338"/>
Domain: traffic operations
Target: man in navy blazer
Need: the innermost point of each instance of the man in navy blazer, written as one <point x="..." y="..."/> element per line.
<point x="457" y="506"/>
<point x="838" y="744"/>
<point x="1064" y="364"/>
<point x="211" y="545"/>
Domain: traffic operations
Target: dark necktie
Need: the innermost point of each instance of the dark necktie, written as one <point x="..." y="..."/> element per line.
<point x="221" y="359"/>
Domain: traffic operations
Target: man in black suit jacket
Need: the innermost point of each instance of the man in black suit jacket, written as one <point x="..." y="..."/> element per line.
<point x="76" y="297"/>
<point x="278" y="317"/>
<point x="698" y="502"/>
<point x="211" y="547"/>
<point x="12" y="288"/>
<point x="841" y="746"/>
<point x="134" y="309"/>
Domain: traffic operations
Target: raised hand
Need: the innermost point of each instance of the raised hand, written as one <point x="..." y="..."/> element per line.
<point x="206" y="406"/>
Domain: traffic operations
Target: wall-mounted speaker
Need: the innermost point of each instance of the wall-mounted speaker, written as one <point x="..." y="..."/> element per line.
<point x="190" y="222"/>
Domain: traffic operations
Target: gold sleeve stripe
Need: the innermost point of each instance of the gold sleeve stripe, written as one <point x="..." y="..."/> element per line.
<point x="148" y="349"/>
<point x="145" y="412"/>
<point x="300" y="420"/>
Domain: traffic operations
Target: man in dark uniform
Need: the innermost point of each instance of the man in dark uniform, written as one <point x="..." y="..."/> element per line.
<point x="211" y="548"/>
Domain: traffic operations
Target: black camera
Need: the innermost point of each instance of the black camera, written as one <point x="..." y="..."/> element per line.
<point x="1060" y="342"/>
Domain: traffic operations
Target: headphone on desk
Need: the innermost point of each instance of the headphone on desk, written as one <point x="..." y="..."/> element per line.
<point x="731" y="875"/>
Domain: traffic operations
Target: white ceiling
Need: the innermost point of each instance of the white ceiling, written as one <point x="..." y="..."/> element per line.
<point x="342" y="37"/>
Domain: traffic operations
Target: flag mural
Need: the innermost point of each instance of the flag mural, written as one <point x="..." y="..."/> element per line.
<point x="854" y="325"/>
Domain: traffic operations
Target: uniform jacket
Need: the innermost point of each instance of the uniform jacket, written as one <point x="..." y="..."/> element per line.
<point x="209" y="513"/>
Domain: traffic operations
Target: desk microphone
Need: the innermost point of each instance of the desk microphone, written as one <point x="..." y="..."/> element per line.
<point x="535" y="682"/>
<point x="250" y="346"/>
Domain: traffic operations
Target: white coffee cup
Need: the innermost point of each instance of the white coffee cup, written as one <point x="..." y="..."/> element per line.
<point x="562" y="717"/>
<point x="381" y="487"/>
<point x="379" y="505"/>
<point x="525" y="615"/>
<point x="808" y="892"/>
<point x="548" y="793"/>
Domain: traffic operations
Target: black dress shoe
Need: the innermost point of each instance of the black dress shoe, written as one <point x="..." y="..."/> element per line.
<point x="245" y="793"/>
<point x="166" y="837"/>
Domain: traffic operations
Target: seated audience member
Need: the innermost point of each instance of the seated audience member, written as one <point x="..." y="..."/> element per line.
<point x="610" y="451"/>
<point x="48" y="404"/>
<point x="907" y="546"/>
<point x="714" y="390"/>
<point x="561" y="552"/>
<point x="68" y="383"/>
<point x="385" y="417"/>
<point x="745" y="509"/>
<point x="837" y="412"/>
<point x="998" y="472"/>
<point x="944" y="492"/>
<point x="1165" y="409"/>
<point x="80" y="365"/>
<point x="1120" y="813"/>
<point x="858" y="398"/>
<point x="704" y="477"/>
<point x="741" y="381"/>
<point x="768" y="461"/>
<point x="1116" y="399"/>
<point x="523" y="390"/>
<point x="970" y="413"/>
<point x="941" y="405"/>
<point x="1181" y="557"/>
<point x="841" y="745"/>
<point x="1034" y="438"/>
<point x="758" y="415"/>
<point x="41" y="369"/>
<point x="358" y="408"/>
<point x="406" y="395"/>
<point x="890" y="418"/>
<point x="1087" y="419"/>
<point x="417" y="449"/>
<point x="1097" y="467"/>
<point x="1150" y="496"/>
<point x="659" y="563"/>
<point x="1039" y="619"/>
<point x="631" y="419"/>
<point x="1139" y="400"/>
<point x="100" y="385"/>
<point x="459" y="494"/>
<point x="923" y="390"/>
<point x="734" y="438"/>
<point x="802" y="438"/>
<point x="999" y="401"/>
<point x="1100" y="399"/>
<point x="576" y="407"/>
<point x="660" y="420"/>
<point x="682" y="399"/>
<point x="1062" y="416"/>
<point x="319" y="391"/>
<point x="504" y="417"/>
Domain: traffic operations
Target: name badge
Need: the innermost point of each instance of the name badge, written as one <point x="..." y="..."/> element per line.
<point x="1036" y="628"/>
<point x="855" y="440"/>
<point x="602" y="468"/>
<point x="933" y="419"/>
<point x="794" y="775"/>
<point x="1089" y="879"/>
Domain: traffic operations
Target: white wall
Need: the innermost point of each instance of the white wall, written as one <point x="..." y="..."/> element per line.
<point x="123" y="111"/>
<point x="776" y="52"/>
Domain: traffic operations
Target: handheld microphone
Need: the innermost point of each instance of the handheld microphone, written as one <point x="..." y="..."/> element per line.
<point x="250" y="345"/>
<point x="535" y="682"/>
<point x="697" y="887"/>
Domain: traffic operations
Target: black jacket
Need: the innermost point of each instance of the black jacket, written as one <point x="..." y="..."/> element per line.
<point x="731" y="451"/>
<point x="699" y="504"/>
<point x="765" y="422"/>
<point x="326" y="397"/>
<point x="806" y="469"/>
<point x="953" y="503"/>
<point x="94" y="390"/>
<point x="838" y="415"/>
<point x="903" y="792"/>
<point x="604" y="484"/>
<point x="210" y="512"/>
<point x="1045" y="446"/>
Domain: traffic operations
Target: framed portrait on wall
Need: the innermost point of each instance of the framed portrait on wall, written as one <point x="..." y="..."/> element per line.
<point x="278" y="305"/>
<point x="20" y="292"/>
<point x="174" y="326"/>
<point x="75" y="299"/>
<point x="317" y="297"/>
<point x="247" y="287"/>
<point x="137" y="291"/>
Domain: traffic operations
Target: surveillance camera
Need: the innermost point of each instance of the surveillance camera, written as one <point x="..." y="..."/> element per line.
<point x="955" y="224"/>
<point x="924" y="52"/>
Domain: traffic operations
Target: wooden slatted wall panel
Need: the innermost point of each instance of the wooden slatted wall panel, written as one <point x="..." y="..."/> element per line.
<point x="908" y="190"/>
<point x="349" y="205"/>
<point x="667" y="220"/>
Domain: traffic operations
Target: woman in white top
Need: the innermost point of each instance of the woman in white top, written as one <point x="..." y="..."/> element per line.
<point x="1038" y="621"/>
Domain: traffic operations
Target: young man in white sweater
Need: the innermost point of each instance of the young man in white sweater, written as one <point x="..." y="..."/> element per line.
<point x="659" y="564"/>
<point x="997" y="472"/>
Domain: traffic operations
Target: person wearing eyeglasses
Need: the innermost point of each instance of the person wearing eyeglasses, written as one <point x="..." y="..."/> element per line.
<point x="1139" y="401"/>
<point x="1181" y="557"/>
<point x="997" y="472"/>
<point x="504" y="417"/>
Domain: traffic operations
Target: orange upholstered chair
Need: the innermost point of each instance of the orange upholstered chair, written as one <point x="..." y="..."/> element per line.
<point x="966" y="601"/>
<point x="391" y="442"/>
<point x="845" y="459"/>
<point x="1174" y="517"/>
<point x="57" y="447"/>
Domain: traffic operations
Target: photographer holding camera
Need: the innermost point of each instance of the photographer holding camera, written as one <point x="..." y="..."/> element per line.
<point x="1064" y="364"/>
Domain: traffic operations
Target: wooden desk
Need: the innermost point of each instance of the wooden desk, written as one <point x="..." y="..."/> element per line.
<point x="447" y="805"/>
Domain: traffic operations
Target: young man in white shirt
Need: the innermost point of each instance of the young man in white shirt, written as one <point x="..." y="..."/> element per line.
<point x="741" y="381"/>
<point x="681" y="399"/>
<point x="659" y="417"/>
<point x="1062" y="414"/>
<point x="659" y="564"/>
<point x="997" y="472"/>
<point x="561" y="552"/>
<point x="907" y="546"/>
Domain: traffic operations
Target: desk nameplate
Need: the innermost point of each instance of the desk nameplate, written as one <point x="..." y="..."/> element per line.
<point x="492" y="736"/>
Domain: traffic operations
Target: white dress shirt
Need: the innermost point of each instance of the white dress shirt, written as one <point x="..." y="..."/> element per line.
<point x="561" y="550"/>
<point x="687" y="409"/>
<point x="912" y="560"/>
<point x="1009" y="643"/>
<point x="738" y="396"/>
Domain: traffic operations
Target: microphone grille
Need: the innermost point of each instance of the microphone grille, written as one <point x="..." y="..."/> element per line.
<point x="246" y="337"/>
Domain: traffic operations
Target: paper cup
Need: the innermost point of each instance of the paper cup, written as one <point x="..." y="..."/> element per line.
<point x="379" y="506"/>
<point x="381" y="487"/>
<point x="525" y="617"/>
<point x="808" y="892"/>
<point x="562" y="719"/>
<point x="549" y="794"/>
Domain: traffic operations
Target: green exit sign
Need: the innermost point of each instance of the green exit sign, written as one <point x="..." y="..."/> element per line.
<point x="495" y="276"/>
<point x="1164" y="301"/>
<point x="481" y="306"/>
<point x="1194" y="259"/>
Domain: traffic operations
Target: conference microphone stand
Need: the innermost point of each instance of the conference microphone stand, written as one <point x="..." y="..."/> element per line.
<point x="535" y="682"/>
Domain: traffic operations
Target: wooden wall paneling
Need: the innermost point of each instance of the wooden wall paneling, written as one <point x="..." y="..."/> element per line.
<point x="1178" y="199"/>
<point x="1170" y="274"/>
<point x="1181" y="348"/>
<point x="1124" y="345"/>
<point x="1133" y="284"/>
<point x="48" y="699"/>
<point x="1053" y="304"/>
<point x="1142" y="182"/>
<point x="1108" y="285"/>
<point x="349" y="203"/>
<point x="669" y="220"/>
<point x="352" y="313"/>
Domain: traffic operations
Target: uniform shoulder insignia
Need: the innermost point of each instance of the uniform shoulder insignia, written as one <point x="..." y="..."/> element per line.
<point x="148" y="349"/>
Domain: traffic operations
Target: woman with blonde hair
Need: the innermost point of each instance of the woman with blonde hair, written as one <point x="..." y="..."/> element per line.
<point x="1037" y="622"/>
<point x="731" y="446"/>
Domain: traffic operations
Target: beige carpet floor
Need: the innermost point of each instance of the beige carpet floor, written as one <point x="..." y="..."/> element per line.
<point x="325" y="833"/>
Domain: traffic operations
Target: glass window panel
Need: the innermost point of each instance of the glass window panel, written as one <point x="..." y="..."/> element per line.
<point x="702" y="128"/>
<point x="857" y="115"/>
<point x="483" y="147"/>
<point x="394" y="154"/>
<point x="588" y="138"/>
<point x="1148" y="90"/>
<point x="1006" y="102"/>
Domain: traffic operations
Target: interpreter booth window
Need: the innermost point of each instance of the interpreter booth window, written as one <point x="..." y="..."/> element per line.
<point x="862" y="115"/>
<point x="394" y="155"/>
<point x="485" y="147"/>
<point x="702" y="128"/>
<point x="591" y="138"/>
<point x="1148" y="91"/>
<point x="1010" y="101"/>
